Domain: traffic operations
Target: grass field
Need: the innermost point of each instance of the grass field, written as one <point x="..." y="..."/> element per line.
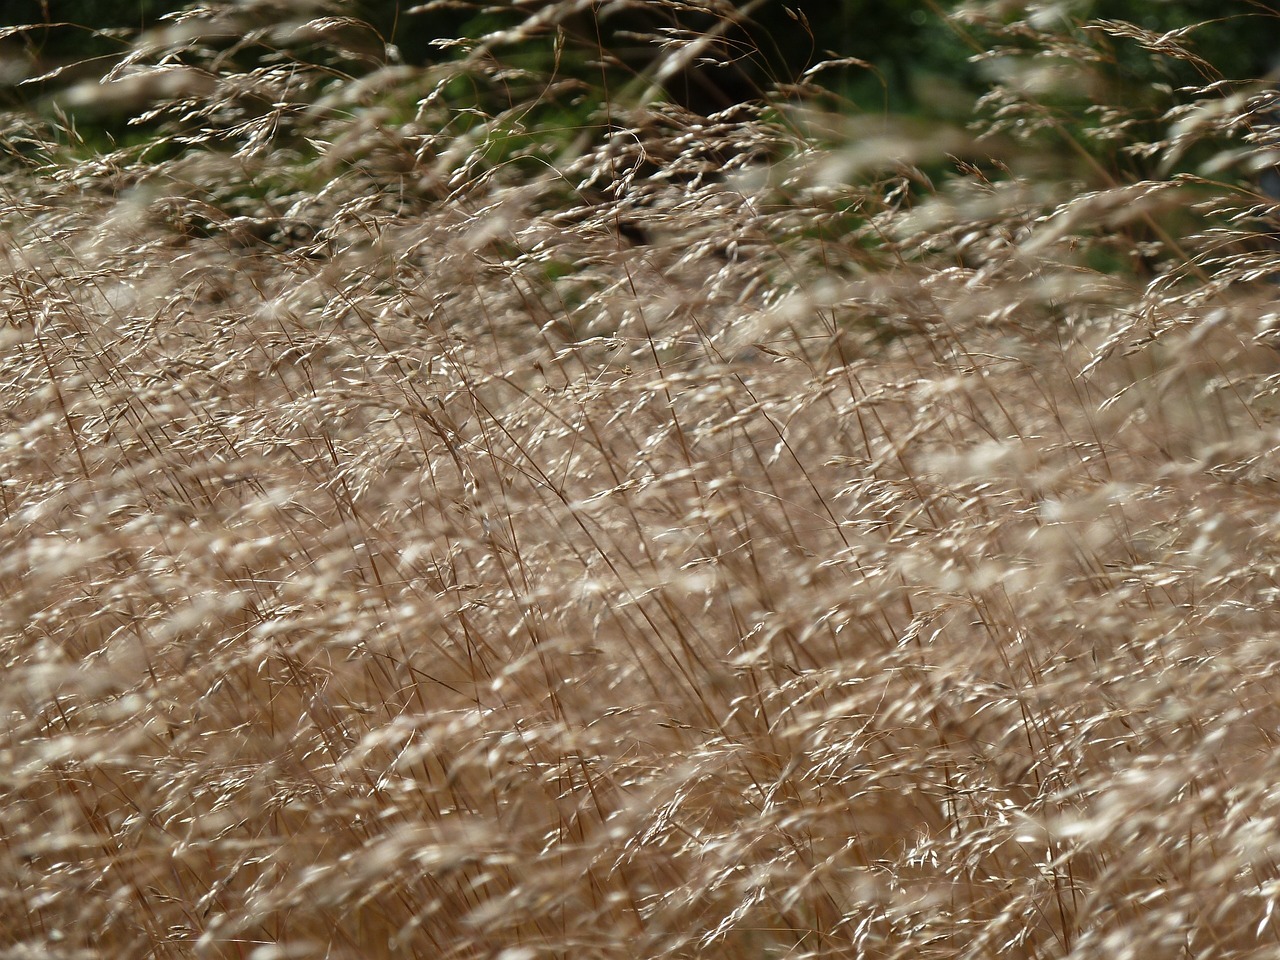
<point x="778" y="534"/>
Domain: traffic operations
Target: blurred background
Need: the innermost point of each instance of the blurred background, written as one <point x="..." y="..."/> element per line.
<point x="912" y="59"/>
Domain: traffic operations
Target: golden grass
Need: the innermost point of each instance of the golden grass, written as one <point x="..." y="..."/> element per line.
<point x="465" y="579"/>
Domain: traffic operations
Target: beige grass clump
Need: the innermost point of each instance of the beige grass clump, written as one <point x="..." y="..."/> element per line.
<point x="410" y="555"/>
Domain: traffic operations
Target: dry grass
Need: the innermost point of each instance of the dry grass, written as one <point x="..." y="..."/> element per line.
<point x="408" y="553"/>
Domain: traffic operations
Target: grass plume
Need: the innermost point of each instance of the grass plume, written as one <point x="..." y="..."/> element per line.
<point x="436" y="528"/>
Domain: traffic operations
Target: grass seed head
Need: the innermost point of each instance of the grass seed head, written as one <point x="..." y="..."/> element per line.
<point x="431" y="530"/>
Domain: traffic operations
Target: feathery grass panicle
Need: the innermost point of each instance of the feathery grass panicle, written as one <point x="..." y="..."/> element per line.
<point x="442" y="519"/>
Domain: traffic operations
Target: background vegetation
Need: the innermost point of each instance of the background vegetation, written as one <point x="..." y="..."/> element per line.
<point x="617" y="486"/>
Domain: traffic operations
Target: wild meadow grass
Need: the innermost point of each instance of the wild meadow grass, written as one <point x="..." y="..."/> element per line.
<point x="773" y="534"/>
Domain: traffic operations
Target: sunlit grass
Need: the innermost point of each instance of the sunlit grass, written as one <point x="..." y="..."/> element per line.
<point x="727" y="542"/>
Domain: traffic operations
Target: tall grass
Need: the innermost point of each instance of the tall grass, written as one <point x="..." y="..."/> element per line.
<point x="436" y="527"/>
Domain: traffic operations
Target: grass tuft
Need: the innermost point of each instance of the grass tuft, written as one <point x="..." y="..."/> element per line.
<point x="476" y="511"/>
